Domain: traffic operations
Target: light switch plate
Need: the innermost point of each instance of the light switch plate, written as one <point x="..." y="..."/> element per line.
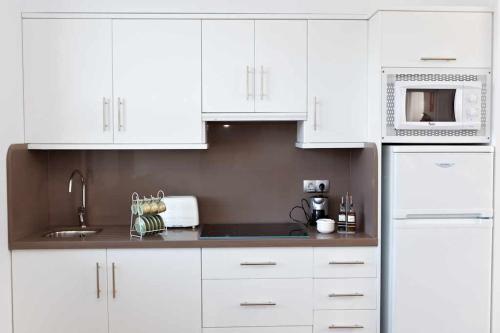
<point x="314" y="186"/>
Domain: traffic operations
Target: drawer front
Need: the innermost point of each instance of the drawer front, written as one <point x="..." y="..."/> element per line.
<point x="260" y="302"/>
<point x="284" y="329"/>
<point x="349" y="262"/>
<point x="345" y="294"/>
<point x="355" y="321"/>
<point x="262" y="263"/>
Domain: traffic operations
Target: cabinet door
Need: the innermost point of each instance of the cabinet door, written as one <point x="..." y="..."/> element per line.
<point x="228" y="66"/>
<point x="337" y="82"/>
<point x="157" y="81"/>
<point x="67" y="80"/>
<point x="436" y="39"/>
<point x="56" y="291"/>
<point x="281" y="66"/>
<point x="154" y="290"/>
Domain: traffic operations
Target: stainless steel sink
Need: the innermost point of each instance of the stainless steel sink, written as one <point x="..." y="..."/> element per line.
<point x="72" y="233"/>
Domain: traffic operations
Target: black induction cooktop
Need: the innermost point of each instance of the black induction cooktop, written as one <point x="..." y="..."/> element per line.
<point x="253" y="230"/>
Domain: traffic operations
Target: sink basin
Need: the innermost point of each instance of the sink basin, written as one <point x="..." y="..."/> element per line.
<point x="72" y="233"/>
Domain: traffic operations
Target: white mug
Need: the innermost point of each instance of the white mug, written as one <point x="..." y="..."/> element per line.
<point x="325" y="226"/>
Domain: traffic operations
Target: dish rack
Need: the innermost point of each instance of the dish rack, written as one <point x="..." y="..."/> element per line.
<point x="136" y="213"/>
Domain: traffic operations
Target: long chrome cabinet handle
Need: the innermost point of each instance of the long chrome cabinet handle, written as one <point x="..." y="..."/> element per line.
<point x="120" y="114"/>
<point x="113" y="274"/>
<point x="261" y="83"/>
<point x="315" y="113"/>
<point x="105" y="113"/>
<point x="333" y="327"/>
<point x="438" y="59"/>
<point x="345" y="295"/>
<point x="346" y="263"/>
<point x="97" y="267"/>
<point x="250" y="71"/>
<point x="264" y="263"/>
<point x="258" y="304"/>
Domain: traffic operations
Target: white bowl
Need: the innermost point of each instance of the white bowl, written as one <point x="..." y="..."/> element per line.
<point x="325" y="226"/>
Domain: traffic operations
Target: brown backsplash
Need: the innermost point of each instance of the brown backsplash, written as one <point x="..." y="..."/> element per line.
<point x="251" y="172"/>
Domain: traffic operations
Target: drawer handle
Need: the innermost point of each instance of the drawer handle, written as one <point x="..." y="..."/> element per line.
<point x="438" y="59"/>
<point x="333" y="327"/>
<point x="258" y="304"/>
<point x="346" y="263"/>
<point x="346" y="295"/>
<point x="266" y="263"/>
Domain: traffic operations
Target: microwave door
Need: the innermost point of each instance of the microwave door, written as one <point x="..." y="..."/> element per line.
<point x="458" y="107"/>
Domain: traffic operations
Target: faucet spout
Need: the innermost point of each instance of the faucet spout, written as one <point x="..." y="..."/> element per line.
<point x="82" y="209"/>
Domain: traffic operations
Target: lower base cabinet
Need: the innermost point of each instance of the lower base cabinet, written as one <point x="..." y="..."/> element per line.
<point x="162" y="290"/>
<point x="101" y="291"/>
<point x="59" y="291"/>
<point x="154" y="291"/>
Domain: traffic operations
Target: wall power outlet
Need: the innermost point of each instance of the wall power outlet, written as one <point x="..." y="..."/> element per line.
<point x="316" y="186"/>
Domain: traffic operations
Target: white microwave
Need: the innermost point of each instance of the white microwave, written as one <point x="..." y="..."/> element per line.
<point x="436" y="106"/>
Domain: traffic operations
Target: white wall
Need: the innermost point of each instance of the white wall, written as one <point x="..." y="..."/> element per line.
<point x="11" y="130"/>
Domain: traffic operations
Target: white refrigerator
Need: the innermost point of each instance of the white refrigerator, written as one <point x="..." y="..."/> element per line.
<point x="437" y="220"/>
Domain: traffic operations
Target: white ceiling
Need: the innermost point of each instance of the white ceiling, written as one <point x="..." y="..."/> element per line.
<point x="234" y="6"/>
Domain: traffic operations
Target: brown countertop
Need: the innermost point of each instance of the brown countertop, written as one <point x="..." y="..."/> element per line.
<point x="118" y="237"/>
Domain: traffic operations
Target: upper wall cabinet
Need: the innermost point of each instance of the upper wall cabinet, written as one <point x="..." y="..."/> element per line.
<point x="157" y="81"/>
<point x="95" y="81"/>
<point x="257" y="67"/>
<point x="228" y="63"/>
<point x="436" y="39"/>
<point x="67" y="80"/>
<point x="337" y="84"/>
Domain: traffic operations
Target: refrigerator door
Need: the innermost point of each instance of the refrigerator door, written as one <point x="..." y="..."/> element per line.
<point x="453" y="184"/>
<point x="440" y="273"/>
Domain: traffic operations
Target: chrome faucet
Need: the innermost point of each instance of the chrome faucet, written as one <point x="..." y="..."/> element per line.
<point x="82" y="208"/>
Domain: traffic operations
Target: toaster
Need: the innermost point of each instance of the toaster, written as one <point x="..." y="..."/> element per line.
<point x="182" y="212"/>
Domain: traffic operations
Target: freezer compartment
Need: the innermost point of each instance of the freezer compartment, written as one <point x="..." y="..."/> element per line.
<point x="452" y="184"/>
<point x="439" y="275"/>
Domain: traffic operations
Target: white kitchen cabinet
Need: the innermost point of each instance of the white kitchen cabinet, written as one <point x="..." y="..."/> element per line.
<point x="67" y="80"/>
<point x="436" y="39"/>
<point x="345" y="262"/>
<point x="154" y="290"/>
<point x="228" y="64"/>
<point x="157" y="81"/>
<point x="337" y="83"/>
<point x="348" y="321"/>
<point x="254" y="67"/>
<point x="345" y="294"/>
<point x="57" y="291"/>
<point x="257" y="302"/>
<point x="257" y="263"/>
<point x="280" y="66"/>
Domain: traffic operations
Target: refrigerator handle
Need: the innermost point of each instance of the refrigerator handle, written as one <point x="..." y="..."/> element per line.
<point x="447" y="216"/>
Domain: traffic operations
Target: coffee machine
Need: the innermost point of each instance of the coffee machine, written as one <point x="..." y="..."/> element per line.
<point x="318" y="205"/>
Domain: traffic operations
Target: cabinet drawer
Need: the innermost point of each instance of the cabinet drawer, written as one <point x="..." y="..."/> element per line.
<point x="355" y="321"/>
<point x="345" y="262"/>
<point x="262" y="263"/>
<point x="260" y="302"/>
<point x="343" y="294"/>
<point x="284" y="329"/>
<point x="436" y="39"/>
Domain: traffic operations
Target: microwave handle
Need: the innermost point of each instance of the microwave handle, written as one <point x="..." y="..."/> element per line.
<point x="459" y="98"/>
